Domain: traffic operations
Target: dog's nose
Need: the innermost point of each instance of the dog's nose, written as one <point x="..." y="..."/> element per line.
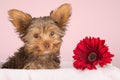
<point x="47" y="45"/>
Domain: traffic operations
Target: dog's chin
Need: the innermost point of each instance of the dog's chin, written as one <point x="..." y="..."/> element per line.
<point x="46" y="52"/>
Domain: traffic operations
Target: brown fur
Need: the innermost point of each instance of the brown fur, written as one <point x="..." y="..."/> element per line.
<point x="19" y="19"/>
<point x="42" y="37"/>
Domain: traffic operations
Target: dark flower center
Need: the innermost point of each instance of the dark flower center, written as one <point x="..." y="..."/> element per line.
<point x="92" y="56"/>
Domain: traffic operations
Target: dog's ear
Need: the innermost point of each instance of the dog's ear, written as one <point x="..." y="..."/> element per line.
<point x="61" y="15"/>
<point x="19" y="19"/>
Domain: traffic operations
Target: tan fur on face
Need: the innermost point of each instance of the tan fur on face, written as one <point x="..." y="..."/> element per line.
<point x="43" y="27"/>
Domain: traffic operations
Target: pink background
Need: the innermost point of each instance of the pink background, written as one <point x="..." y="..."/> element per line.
<point x="98" y="18"/>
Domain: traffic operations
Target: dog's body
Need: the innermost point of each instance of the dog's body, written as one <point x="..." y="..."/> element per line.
<point x="42" y="37"/>
<point x="25" y="60"/>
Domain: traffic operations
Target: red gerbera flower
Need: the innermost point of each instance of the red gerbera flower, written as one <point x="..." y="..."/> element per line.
<point x="90" y="52"/>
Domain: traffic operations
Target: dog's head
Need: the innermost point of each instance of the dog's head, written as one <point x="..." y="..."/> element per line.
<point x="41" y="35"/>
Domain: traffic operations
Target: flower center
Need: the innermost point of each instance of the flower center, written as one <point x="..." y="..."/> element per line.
<point x="92" y="56"/>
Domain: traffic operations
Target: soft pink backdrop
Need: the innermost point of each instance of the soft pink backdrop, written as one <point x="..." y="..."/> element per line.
<point x="98" y="18"/>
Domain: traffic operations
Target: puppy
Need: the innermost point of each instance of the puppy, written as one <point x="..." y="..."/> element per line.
<point x="42" y="39"/>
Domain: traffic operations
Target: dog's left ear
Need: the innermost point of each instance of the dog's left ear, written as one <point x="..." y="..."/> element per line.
<point x="61" y="15"/>
<point x="19" y="19"/>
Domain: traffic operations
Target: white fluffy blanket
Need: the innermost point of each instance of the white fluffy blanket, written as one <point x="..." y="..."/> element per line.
<point x="66" y="72"/>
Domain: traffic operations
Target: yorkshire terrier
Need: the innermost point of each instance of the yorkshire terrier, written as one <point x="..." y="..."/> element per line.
<point x="42" y="39"/>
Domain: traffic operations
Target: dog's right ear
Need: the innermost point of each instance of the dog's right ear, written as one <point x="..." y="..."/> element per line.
<point x="19" y="19"/>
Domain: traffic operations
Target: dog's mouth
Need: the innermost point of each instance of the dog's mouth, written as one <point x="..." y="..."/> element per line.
<point x="46" y="52"/>
<point x="50" y="51"/>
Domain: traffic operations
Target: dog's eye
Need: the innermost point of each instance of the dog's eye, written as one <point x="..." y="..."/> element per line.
<point x="52" y="33"/>
<point x="36" y="36"/>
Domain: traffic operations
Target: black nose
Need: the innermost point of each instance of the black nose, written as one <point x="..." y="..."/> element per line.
<point x="47" y="45"/>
